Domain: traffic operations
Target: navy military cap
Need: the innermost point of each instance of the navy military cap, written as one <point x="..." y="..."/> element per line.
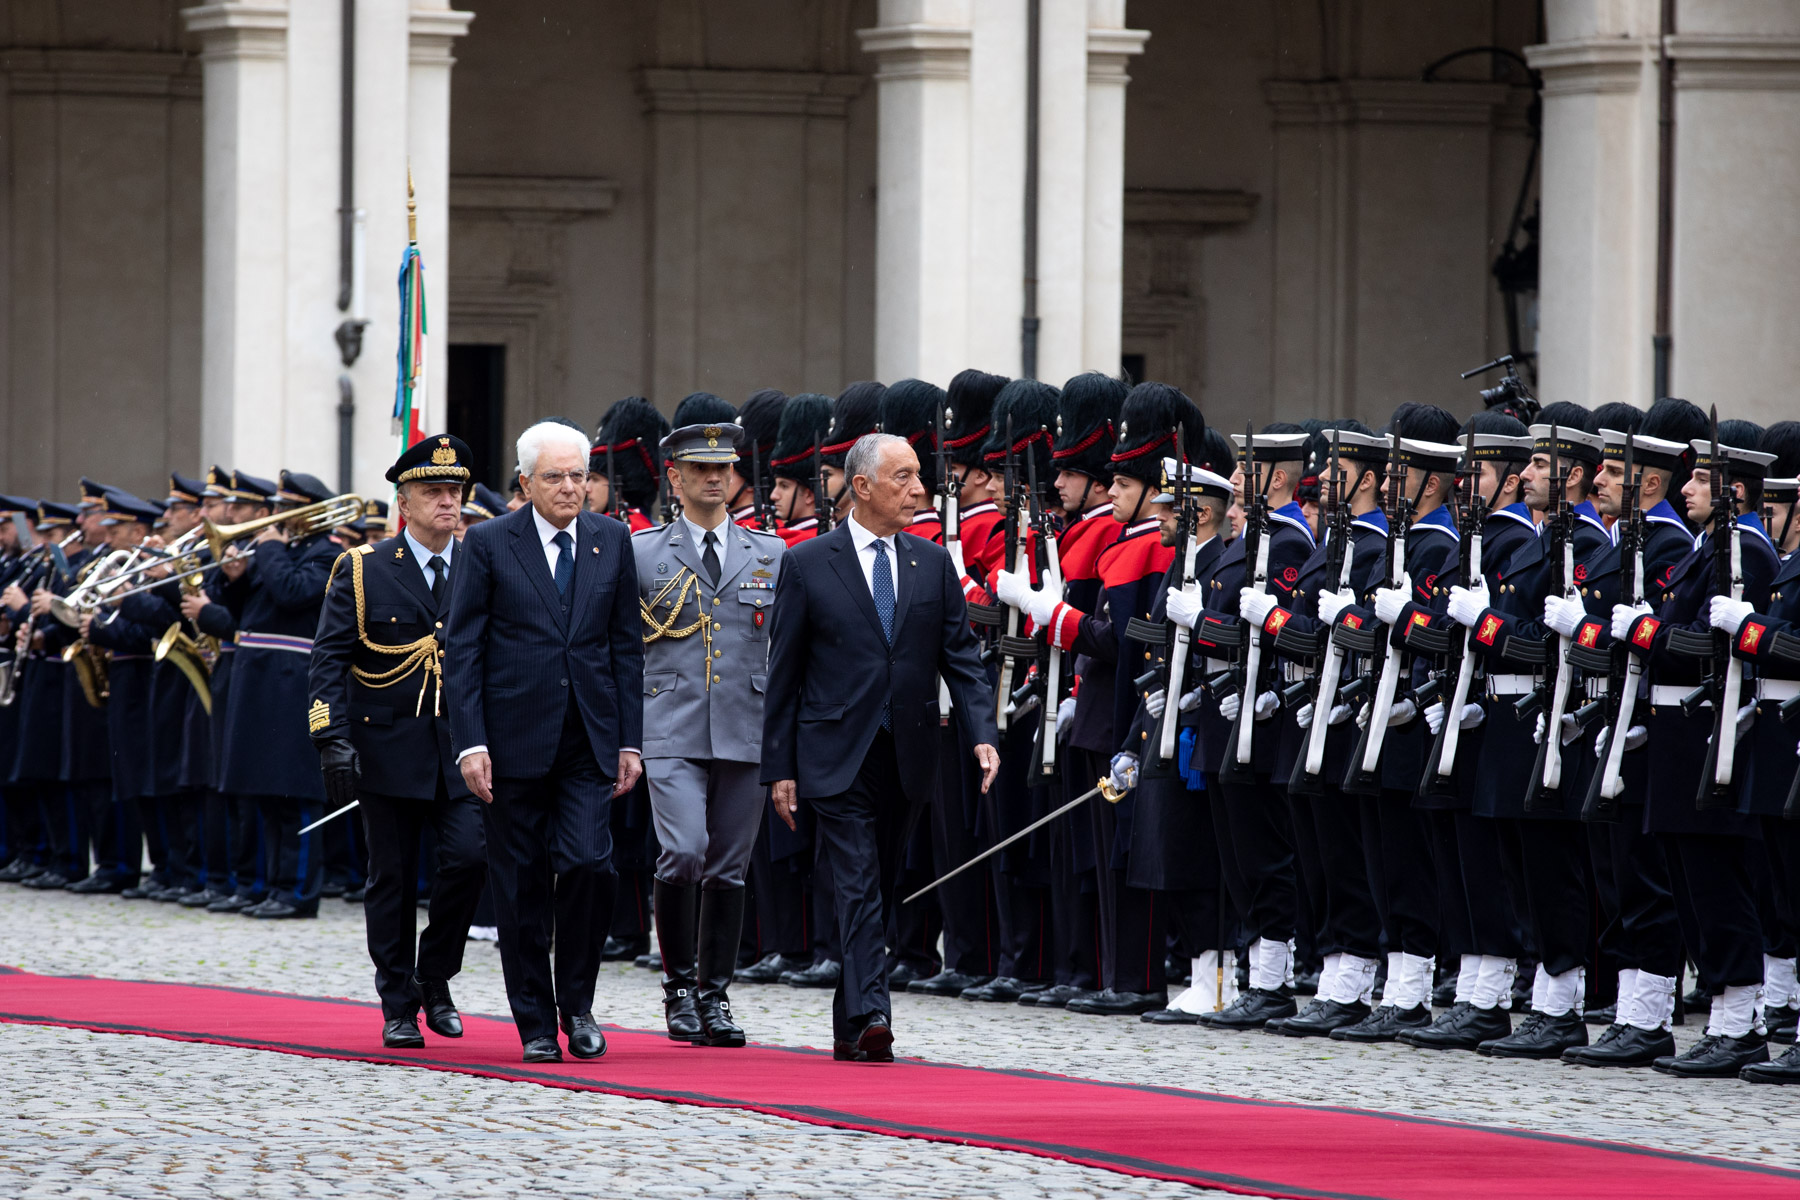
<point x="18" y="504"/>
<point x="120" y="507"/>
<point x="483" y="503"/>
<point x="50" y="514"/>
<point x="300" y="488"/>
<point x="183" y="490"/>
<point x="374" y="513"/>
<point x="440" y="456"/>
<point x="218" y="483"/>
<point x="93" y="494"/>
<point x="251" y="489"/>
<point x="704" y="443"/>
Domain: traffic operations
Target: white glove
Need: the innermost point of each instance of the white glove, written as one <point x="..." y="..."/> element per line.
<point x="1339" y="714"/>
<point x="1624" y="617"/>
<point x="1266" y="704"/>
<point x="1255" y="606"/>
<point x="1402" y="712"/>
<point x="1745" y="719"/>
<point x="1635" y="737"/>
<point x="1155" y="702"/>
<point x="1472" y="716"/>
<point x="1434" y="717"/>
<point x="1571" y="728"/>
<point x="1190" y="702"/>
<point x="1229" y="706"/>
<point x="1727" y="614"/>
<point x="1303" y="715"/>
<point x="1065" y="713"/>
<point x="1362" y="716"/>
<point x="1467" y="604"/>
<point x="1333" y="603"/>
<point x="1040" y="605"/>
<point x="1182" y="608"/>
<point x="1563" y="615"/>
<point x="1124" y="774"/>
<point x="1389" y="601"/>
<point x="1011" y="587"/>
<point x="1537" y="731"/>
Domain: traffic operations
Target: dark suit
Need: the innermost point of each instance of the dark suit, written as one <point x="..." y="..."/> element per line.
<point x="832" y="672"/>
<point x="552" y="685"/>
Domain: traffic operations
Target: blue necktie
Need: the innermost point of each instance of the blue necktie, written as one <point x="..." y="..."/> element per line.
<point x="884" y="608"/>
<point x="565" y="561"/>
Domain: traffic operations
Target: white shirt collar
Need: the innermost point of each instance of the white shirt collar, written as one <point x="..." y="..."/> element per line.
<point x="862" y="538"/>
<point x="421" y="552"/>
<point x="699" y="534"/>
<point x="547" y="531"/>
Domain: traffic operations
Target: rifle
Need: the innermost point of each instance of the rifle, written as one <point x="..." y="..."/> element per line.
<point x="1364" y="777"/>
<point x="1727" y="673"/>
<point x="1546" y="788"/>
<point x="1309" y="768"/>
<point x="1047" y="558"/>
<point x="1440" y="773"/>
<point x="760" y="510"/>
<point x="1602" y="802"/>
<point x="612" y="486"/>
<point x="1014" y="534"/>
<point x="1240" y="749"/>
<point x="1186" y="548"/>
<point x="950" y="518"/>
<point x="824" y="507"/>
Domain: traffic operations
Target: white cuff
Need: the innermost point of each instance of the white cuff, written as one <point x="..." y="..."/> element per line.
<point x="481" y="749"/>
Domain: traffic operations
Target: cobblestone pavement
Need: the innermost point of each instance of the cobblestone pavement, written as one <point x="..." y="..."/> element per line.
<point x="137" y="1116"/>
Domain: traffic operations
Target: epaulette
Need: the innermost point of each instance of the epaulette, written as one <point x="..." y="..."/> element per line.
<point x="339" y="561"/>
<point x="365" y="548"/>
<point x="642" y="532"/>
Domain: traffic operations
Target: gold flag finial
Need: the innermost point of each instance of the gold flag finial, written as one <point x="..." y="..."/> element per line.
<point x="412" y="208"/>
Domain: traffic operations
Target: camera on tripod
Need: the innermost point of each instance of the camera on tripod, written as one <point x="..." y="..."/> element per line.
<point x="1510" y="394"/>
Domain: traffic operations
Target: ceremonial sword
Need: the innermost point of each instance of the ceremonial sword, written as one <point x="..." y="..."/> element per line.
<point x="1103" y="788"/>
<point x="329" y="817"/>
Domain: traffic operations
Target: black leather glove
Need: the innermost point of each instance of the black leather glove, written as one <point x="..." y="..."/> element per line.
<point x="342" y="768"/>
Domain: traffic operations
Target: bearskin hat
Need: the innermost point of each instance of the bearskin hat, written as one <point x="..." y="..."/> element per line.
<point x="761" y="420"/>
<point x="910" y="409"/>
<point x="971" y="405"/>
<point x="1087" y="421"/>
<point x="703" y="408"/>
<point x="856" y="412"/>
<point x="804" y="420"/>
<point x="1565" y="415"/>
<point x="1422" y="423"/>
<point x="1676" y="420"/>
<point x="1782" y="439"/>
<point x="633" y="429"/>
<point x="1740" y="435"/>
<point x="1217" y="454"/>
<point x="1619" y="417"/>
<point x="1028" y="408"/>
<point x="1147" y="422"/>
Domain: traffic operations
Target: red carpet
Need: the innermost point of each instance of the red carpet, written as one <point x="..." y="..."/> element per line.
<point x="1250" y="1146"/>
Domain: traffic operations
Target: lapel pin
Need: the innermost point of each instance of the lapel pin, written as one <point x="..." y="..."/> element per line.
<point x="596" y="549"/>
<point x="399" y="551"/>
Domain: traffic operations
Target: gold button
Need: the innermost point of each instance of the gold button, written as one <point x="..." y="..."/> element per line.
<point x="391" y="620"/>
<point x="715" y="600"/>
<point x="1146" y="656"/>
<point x="365" y="720"/>
<point x="1144" y="737"/>
<point x="718" y="654"/>
<point x="440" y="624"/>
<point x="653" y="690"/>
<point x="716" y="625"/>
<point x="715" y="679"/>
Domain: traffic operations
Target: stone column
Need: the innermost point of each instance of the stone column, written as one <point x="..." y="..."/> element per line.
<point x="244" y="323"/>
<point x="1110" y="47"/>
<point x="433" y="28"/>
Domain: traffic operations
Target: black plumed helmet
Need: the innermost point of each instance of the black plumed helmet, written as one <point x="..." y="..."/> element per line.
<point x="910" y="410"/>
<point x="761" y="420"/>
<point x="971" y="401"/>
<point x="1740" y="435"/>
<point x="1618" y="416"/>
<point x="703" y="408"/>
<point x="633" y="429"/>
<point x="1676" y="420"/>
<point x="1423" y="422"/>
<point x="1782" y="439"/>
<point x="1492" y="420"/>
<point x="804" y="420"/>
<point x="1147" y="423"/>
<point x="1028" y="408"/>
<point x="1566" y="415"/>
<point x="1087" y="424"/>
<point x="1217" y="453"/>
<point x="856" y="412"/>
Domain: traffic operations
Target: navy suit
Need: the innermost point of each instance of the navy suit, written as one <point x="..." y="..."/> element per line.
<point x="832" y="672"/>
<point x="552" y="685"/>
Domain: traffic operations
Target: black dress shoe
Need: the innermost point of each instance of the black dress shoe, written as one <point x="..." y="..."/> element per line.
<point x="1602" y="1016"/>
<point x="904" y="973"/>
<point x="402" y="1033"/>
<point x="768" y="969"/>
<point x="280" y="910"/>
<point x="173" y="894"/>
<point x="100" y="883"/>
<point x="648" y="962"/>
<point x="1384" y="1024"/>
<point x="1781" y="1021"/>
<point x="585" y="1038"/>
<point x="1109" y="1003"/>
<point x="543" y="1049"/>
<point x="843" y="1051"/>
<point x="1444" y="995"/>
<point x="18" y="870"/>
<point x="203" y="898"/>
<point x="946" y="983"/>
<point x="1001" y="989"/>
<point x="1697" y="1000"/>
<point x="1624" y="1046"/>
<point x="333" y="888"/>
<point x="822" y="974"/>
<point x="1464" y="1027"/>
<point x="1170" y="1016"/>
<point x="1251" y="1010"/>
<point x="235" y="902"/>
<point x="355" y="895"/>
<point x="1319" y="1019"/>
<point x="876" y="1041"/>
<point x="1785" y="1069"/>
<point x="48" y="881"/>
<point x="624" y="949"/>
<point x="1306" y="983"/>
<point x="144" y="889"/>
<point x="1055" y="996"/>
<point x="1538" y="1036"/>
<point x="441" y="1016"/>
<point x="1716" y="1057"/>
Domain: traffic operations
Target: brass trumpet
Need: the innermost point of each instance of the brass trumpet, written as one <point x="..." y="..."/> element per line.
<point x="90" y="663"/>
<point x="321" y="516"/>
<point x="177" y="647"/>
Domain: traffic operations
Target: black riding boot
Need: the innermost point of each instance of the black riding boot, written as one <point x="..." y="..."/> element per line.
<point x="721" y="923"/>
<point x="675" y="921"/>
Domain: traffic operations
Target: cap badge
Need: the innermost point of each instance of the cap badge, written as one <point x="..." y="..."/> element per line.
<point x="443" y="456"/>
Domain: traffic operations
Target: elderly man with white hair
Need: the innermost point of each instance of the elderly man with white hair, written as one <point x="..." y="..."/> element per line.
<point x="543" y="673"/>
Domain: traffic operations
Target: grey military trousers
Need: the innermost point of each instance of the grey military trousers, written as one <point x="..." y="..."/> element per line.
<point x="707" y="812"/>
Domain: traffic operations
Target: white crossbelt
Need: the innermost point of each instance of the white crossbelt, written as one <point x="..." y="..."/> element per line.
<point x="1672" y="694"/>
<point x="1777" y="689"/>
<point x="1510" y="685"/>
<point x="1215" y="665"/>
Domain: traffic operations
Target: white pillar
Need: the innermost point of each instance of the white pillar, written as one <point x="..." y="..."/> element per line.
<point x="1109" y="49"/>
<point x="243" y="328"/>
<point x="1062" y="187"/>
<point x="996" y="171"/>
<point x="434" y="29"/>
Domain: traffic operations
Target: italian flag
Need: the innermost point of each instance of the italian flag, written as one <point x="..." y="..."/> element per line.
<point x="409" y="391"/>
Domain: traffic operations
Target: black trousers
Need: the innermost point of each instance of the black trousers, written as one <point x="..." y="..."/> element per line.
<point x="1649" y="935"/>
<point x="244" y="846"/>
<point x="391" y="825"/>
<point x="914" y="928"/>
<point x="1781" y="840"/>
<point x="1349" y="921"/>
<point x="778" y="889"/>
<point x="293" y="862"/>
<point x="1074" y="911"/>
<point x="971" y="928"/>
<point x="1495" y="926"/>
<point x="861" y="832"/>
<point x="1140" y="940"/>
<point x="174" y="822"/>
<point x="1398" y="852"/>
<point x="1712" y="871"/>
<point x="24" y="826"/>
<point x="1553" y="858"/>
<point x="1257" y="846"/>
<point x="1200" y="919"/>
<point x="65" y="830"/>
<point x="549" y="845"/>
<point x="111" y="827"/>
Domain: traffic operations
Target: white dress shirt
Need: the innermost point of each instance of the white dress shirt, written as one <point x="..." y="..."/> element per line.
<point x="865" y="554"/>
<point x="546" y="531"/>
<point x="422" y="555"/>
<point x="699" y="535"/>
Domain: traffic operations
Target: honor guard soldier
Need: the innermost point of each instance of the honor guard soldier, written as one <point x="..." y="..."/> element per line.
<point x="378" y="719"/>
<point x="797" y="493"/>
<point x="1697" y="761"/>
<point x="624" y="470"/>
<point x="968" y="421"/>
<point x="706" y="588"/>
<point x="751" y="481"/>
<point x="856" y="411"/>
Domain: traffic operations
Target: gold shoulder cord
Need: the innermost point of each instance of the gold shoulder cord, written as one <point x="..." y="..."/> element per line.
<point x="424" y="653"/>
<point x="684" y="583"/>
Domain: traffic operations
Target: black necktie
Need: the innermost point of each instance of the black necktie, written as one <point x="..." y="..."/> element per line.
<point x="440" y="571"/>
<point x="709" y="558"/>
<point x="565" y="561"/>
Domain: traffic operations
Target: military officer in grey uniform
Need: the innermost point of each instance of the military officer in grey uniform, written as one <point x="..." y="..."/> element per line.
<point x="707" y="588"/>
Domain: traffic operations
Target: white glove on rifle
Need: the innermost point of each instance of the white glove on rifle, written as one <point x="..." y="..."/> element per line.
<point x="1011" y="587"/>
<point x="1065" y="713"/>
<point x="1625" y="616"/>
<point x="1472" y="716"/>
<point x="1571" y="728"/>
<point x="1331" y="604"/>
<point x="1040" y="605"/>
<point x="1389" y="601"/>
<point x="1467" y="604"/>
<point x="1229" y="706"/>
<point x="1190" y="702"/>
<point x="1155" y="702"/>
<point x="1745" y="719"/>
<point x="1266" y="704"/>
<point x="1182" y="608"/>
<point x="1124" y="774"/>
<point x="1339" y="714"/>
<point x="1434" y="717"/>
<point x="1402" y="712"/>
<point x="1727" y="614"/>
<point x="1563" y="614"/>
<point x="1303" y="715"/>
<point x="1255" y="606"/>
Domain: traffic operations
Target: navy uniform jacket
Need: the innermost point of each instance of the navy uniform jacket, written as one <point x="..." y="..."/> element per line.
<point x="266" y="751"/>
<point x="218" y="619"/>
<point x="401" y="730"/>
<point x="86" y="738"/>
<point x="1770" y="748"/>
<point x="128" y="703"/>
<point x="517" y="652"/>
<point x="40" y="704"/>
<point x="172" y="698"/>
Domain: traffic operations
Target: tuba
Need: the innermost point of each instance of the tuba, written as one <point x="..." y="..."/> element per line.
<point x="177" y="647"/>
